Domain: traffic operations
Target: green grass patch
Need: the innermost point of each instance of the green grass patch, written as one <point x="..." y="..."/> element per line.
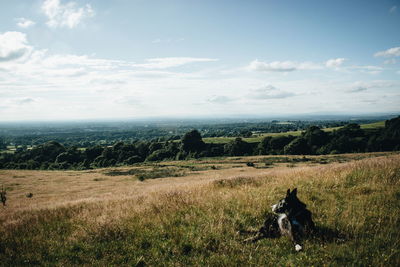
<point x="149" y="173"/>
<point x="236" y="182"/>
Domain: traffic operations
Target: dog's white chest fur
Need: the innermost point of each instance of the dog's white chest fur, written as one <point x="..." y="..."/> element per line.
<point x="284" y="224"/>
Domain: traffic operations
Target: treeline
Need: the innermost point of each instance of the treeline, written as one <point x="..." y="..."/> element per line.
<point x="348" y="139"/>
<point x="105" y="134"/>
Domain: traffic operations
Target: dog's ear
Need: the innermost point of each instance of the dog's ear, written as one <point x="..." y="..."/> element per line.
<point x="288" y="193"/>
<point x="294" y="192"/>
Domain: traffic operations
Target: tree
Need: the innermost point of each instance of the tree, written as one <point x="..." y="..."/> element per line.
<point x="246" y="133"/>
<point x="350" y="138"/>
<point x="263" y="147"/>
<point x="315" y="138"/>
<point x="93" y="152"/>
<point x="298" y="146"/>
<point x="47" y="152"/>
<point x="192" y="142"/>
<point x="278" y="143"/>
<point x="159" y="155"/>
<point x="389" y="137"/>
<point x="3" y="144"/>
<point x="133" y="160"/>
<point x="238" y="147"/>
<point x="350" y="130"/>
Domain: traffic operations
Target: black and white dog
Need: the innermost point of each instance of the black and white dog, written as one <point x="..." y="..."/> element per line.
<point x="291" y="219"/>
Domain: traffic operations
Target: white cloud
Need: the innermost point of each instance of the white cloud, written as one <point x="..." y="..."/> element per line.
<point x="65" y="15"/>
<point x="281" y="66"/>
<point x="13" y="45"/>
<point x="393" y="9"/>
<point x="368" y="69"/>
<point x="17" y="101"/>
<point x="168" y="62"/>
<point x="268" y="92"/>
<point x="24" y="23"/>
<point x="376" y="84"/>
<point x="127" y="100"/>
<point x="167" y="40"/>
<point x="41" y="64"/>
<point x="220" y="99"/>
<point x="358" y="89"/>
<point x="334" y="63"/>
<point x="25" y="100"/>
<point x="390" y="61"/>
<point x="391" y="52"/>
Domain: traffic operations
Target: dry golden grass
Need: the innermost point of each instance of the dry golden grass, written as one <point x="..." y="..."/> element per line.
<point x="195" y="219"/>
<point x="52" y="189"/>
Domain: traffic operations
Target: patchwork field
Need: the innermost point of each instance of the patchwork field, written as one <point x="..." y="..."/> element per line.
<point x="258" y="137"/>
<point x="197" y="212"/>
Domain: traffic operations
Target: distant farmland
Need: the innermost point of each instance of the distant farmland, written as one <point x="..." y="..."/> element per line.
<point x="259" y="137"/>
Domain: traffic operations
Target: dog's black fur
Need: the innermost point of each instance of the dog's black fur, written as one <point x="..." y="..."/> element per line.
<point x="291" y="218"/>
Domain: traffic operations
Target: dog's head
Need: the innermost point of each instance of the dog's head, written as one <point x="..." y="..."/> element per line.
<point x="288" y="204"/>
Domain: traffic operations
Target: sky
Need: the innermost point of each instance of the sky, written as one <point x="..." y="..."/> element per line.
<point x="121" y="59"/>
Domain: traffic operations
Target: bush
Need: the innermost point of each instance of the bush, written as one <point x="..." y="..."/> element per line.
<point x="238" y="147"/>
<point x="133" y="160"/>
<point x="297" y="147"/>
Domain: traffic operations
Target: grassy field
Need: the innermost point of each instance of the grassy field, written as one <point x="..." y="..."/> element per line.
<point x="193" y="213"/>
<point x="259" y="137"/>
<point x="374" y="125"/>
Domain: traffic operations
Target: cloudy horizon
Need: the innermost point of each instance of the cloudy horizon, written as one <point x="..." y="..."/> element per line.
<point x="74" y="60"/>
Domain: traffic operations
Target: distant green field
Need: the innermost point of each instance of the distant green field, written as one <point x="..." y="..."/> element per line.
<point x="259" y="137"/>
<point x="255" y="139"/>
<point x="374" y="125"/>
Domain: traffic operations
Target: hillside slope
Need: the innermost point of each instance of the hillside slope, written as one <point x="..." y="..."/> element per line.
<point x="109" y="217"/>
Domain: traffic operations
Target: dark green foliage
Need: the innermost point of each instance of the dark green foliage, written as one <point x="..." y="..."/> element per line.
<point x="192" y="142"/>
<point x="46" y="152"/>
<point x="389" y="139"/>
<point x="274" y="145"/>
<point x="159" y="173"/>
<point x="315" y="138"/>
<point x="350" y="130"/>
<point x="238" y="147"/>
<point x="132" y="160"/>
<point x="348" y="139"/>
<point x="298" y="146"/>
<point x="71" y="156"/>
<point x="3" y="144"/>
<point x="93" y="152"/>
<point x="246" y="133"/>
<point x="159" y="155"/>
<point x="263" y="147"/>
